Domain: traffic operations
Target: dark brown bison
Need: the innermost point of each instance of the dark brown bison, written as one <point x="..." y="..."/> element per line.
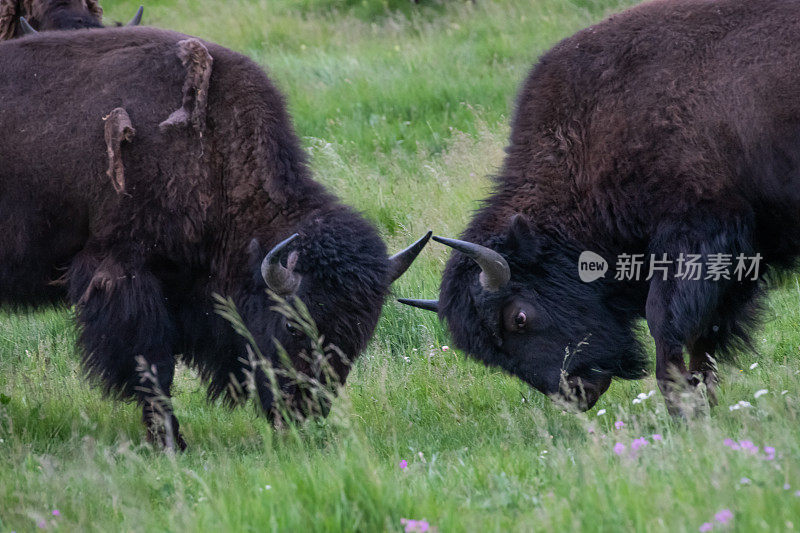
<point x="21" y="17"/>
<point x="143" y="171"/>
<point x="671" y="132"/>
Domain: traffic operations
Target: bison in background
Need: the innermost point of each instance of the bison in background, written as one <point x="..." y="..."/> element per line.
<point x="143" y="171"/>
<point x="21" y="17"/>
<point x="669" y="130"/>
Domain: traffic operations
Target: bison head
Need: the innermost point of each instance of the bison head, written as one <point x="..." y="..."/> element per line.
<point x="335" y="267"/>
<point x="516" y="302"/>
<point x="21" y="17"/>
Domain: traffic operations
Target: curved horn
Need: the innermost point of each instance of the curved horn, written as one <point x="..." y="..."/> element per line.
<point x="137" y="18"/>
<point x="400" y="261"/>
<point x="428" y="305"/>
<point x="494" y="266"/>
<point x="25" y="27"/>
<point x="281" y="279"/>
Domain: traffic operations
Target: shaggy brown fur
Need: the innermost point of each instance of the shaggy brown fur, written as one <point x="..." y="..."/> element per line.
<point x="196" y="218"/>
<point x="673" y="127"/>
<point x="48" y="15"/>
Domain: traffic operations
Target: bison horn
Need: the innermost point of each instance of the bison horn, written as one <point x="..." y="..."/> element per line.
<point x="428" y="305"/>
<point x="496" y="272"/>
<point x="25" y="27"/>
<point x="278" y="278"/>
<point x="400" y="261"/>
<point x="137" y="18"/>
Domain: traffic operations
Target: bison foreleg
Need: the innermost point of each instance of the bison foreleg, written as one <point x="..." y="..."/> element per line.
<point x="671" y="372"/>
<point x="701" y="361"/>
<point x="684" y="304"/>
<point x="128" y="336"/>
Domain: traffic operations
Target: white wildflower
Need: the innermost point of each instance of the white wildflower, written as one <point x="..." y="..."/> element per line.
<point x="741" y="404"/>
<point x="760" y="393"/>
<point x="601" y="412"/>
<point x="753" y="366"/>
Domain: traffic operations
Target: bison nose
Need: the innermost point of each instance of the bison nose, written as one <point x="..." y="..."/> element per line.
<point x="581" y="393"/>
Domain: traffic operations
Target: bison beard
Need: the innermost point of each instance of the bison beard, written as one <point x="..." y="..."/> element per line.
<point x="150" y="217"/>
<point x="671" y="128"/>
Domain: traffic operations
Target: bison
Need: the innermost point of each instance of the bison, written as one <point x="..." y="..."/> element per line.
<point x="668" y="132"/>
<point x="22" y="17"/>
<point x="143" y="171"/>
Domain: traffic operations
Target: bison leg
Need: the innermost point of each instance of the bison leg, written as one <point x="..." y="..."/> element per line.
<point x="701" y="352"/>
<point x="676" y="310"/>
<point x="683" y="305"/>
<point x="671" y="370"/>
<point x="128" y="336"/>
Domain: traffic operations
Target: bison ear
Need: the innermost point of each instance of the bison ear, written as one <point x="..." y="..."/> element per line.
<point x="255" y="254"/>
<point x="519" y="231"/>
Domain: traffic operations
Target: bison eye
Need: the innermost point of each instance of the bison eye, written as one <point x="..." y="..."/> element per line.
<point x="519" y="316"/>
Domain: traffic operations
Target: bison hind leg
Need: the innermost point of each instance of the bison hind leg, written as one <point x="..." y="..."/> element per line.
<point x="127" y="336"/>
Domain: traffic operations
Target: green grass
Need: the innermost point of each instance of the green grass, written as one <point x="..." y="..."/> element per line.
<point x="404" y="109"/>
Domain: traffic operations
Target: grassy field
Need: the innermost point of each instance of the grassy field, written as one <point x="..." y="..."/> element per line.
<point x="404" y="109"/>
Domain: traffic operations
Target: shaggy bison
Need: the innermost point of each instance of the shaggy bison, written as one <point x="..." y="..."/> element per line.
<point x="21" y="17"/>
<point x="143" y="171"/>
<point x="668" y="134"/>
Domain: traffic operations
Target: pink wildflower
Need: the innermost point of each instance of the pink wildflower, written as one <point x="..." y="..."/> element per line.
<point x="724" y="516"/>
<point x="639" y="443"/>
<point x="770" y="453"/>
<point x="403" y="464"/>
<point x="420" y="526"/>
<point x="657" y="436"/>
<point x="619" y="424"/>
<point x="42" y="524"/>
<point x="56" y="512"/>
<point x="707" y="526"/>
<point x="749" y="446"/>
<point x="619" y="448"/>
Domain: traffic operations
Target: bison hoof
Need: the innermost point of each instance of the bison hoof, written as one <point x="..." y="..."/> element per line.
<point x="690" y="397"/>
<point x="164" y="433"/>
<point x="160" y="439"/>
